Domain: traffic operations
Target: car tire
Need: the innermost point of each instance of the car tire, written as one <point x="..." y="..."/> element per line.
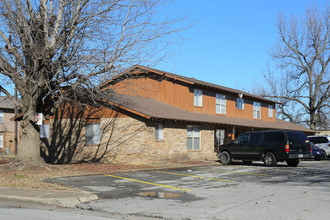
<point x="225" y="158"/>
<point x="292" y="162"/>
<point x="247" y="162"/>
<point x="270" y="159"/>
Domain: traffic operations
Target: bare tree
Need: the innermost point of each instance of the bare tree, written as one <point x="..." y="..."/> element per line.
<point x="51" y="48"/>
<point x="302" y="53"/>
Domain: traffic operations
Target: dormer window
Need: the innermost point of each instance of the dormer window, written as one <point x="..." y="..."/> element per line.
<point x="198" y="95"/>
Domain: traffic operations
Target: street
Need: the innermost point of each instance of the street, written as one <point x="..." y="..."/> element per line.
<point x="213" y="192"/>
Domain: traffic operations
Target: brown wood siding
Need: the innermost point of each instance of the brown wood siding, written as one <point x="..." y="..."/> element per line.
<point x="181" y="95"/>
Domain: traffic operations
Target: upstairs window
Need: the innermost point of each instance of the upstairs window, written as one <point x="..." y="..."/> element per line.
<point x="159" y="133"/>
<point x="239" y="103"/>
<point x="198" y="101"/>
<point x="270" y="111"/>
<point x="220" y="104"/>
<point x="1" y="116"/>
<point x="256" y="110"/>
<point x="92" y="133"/>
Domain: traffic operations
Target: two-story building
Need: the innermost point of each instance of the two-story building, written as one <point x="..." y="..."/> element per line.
<point x="158" y="116"/>
<point x="7" y="127"/>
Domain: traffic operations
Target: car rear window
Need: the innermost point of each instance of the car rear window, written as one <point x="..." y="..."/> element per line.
<point x="297" y="137"/>
<point x="318" y="140"/>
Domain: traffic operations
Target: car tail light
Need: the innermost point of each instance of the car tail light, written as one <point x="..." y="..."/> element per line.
<point x="287" y="148"/>
<point x="310" y="148"/>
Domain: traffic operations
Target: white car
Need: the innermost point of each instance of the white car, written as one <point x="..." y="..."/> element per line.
<point x="321" y="141"/>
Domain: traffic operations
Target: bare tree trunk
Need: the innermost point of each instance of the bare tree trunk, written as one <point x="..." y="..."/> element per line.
<point x="28" y="154"/>
<point x="29" y="148"/>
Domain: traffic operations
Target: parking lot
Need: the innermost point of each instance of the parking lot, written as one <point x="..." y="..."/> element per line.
<point x="213" y="192"/>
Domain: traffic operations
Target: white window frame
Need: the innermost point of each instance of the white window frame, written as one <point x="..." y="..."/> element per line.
<point x="257" y="110"/>
<point x="1" y="140"/>
<point x="159" y="131"/>
<point x="194" y="137"/>
<point x="198" y="97"/>
<point x="95" y="136"/>
<point x="1" y="116"/>
<point x="44" y="131"/>
<point x="239" y="103"/>
<point x="270" y="111"/>
<point x="220" y="104"/>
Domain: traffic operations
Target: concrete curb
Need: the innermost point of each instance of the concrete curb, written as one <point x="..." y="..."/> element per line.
<point x="65" y="199"/>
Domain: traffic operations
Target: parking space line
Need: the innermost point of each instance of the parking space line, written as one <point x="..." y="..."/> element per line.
<point x="156" y="184"/>
<point x="201" y="177"/>
<point x="229" y="171"/>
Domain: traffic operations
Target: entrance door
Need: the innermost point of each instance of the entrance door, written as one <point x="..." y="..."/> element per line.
<point x="219" y="137"/>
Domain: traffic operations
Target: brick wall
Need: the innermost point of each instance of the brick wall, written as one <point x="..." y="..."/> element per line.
<point x="8" y="143"/>
<point x="129" y="141"/>
<point x="7" y="125"/>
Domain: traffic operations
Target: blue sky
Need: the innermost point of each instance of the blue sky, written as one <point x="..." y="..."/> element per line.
<point x="230" y="44"/>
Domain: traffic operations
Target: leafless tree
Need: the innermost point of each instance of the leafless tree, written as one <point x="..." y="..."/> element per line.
<point x="51" y="48"/>
<point x="302" y="53"/>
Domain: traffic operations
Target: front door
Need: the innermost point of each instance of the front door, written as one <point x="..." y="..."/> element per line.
<point x="219" y="138"/>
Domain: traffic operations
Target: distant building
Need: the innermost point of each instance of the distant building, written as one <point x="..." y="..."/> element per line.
<point x="7" y="127"/>
<point x="323" y="132"/>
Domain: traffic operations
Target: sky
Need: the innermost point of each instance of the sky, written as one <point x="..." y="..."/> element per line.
<point x="230" y="43"/>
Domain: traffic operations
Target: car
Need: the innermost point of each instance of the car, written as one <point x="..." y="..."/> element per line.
<point x="270" y="146"/>
<point x="321" y="141"/>
<point x="317" y="153"/>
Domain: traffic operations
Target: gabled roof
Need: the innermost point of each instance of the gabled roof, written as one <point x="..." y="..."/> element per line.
<point x="6" y="103"/>
<point x="152" y="109"/>
<point x="192" y="81"/>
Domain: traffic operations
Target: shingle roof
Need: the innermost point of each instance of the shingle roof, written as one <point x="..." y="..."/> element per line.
<point x="157" y="110"/>
<point x="189" y="80"/>
<point x="6" y="103"/>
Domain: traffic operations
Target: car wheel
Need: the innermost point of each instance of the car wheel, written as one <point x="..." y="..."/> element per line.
<point x="225" y="158"/>
<point x="292" y="162"/>
<point x="270" y="159"/>
<point x="247" y="162"/>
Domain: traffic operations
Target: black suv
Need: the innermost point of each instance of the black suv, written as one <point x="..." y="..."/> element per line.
<point x="269" y="146"/>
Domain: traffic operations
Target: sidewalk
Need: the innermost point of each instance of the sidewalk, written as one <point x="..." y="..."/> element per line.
<point x="60" y="198"/>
